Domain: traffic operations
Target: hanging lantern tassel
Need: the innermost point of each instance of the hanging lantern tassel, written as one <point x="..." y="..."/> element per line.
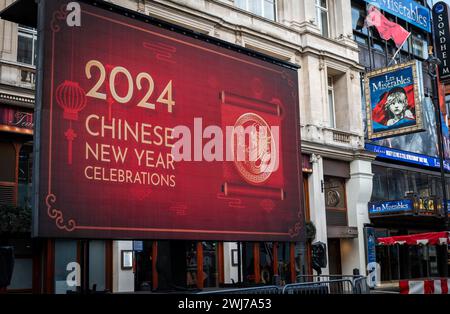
<point x="70" y="136"/>
<point x="110" y="102"/>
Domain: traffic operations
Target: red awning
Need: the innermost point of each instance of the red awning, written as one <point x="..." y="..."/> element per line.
<point x="432" y="238"/>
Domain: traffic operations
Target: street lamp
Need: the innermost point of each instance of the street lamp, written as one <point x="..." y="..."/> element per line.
<point x="433" y="64"/>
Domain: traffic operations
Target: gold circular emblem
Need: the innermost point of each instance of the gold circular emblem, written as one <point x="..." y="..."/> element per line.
<point x="254" y="149"/>
<point x="333" y="198"/>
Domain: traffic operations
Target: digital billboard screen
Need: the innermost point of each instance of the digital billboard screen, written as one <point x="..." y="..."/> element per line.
<point x="148" y="133"/>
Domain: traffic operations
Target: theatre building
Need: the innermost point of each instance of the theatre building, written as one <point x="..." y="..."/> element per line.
<point x="326" y="174"/>
<point x="17" y="83"/>
<point x="407" y="186"/>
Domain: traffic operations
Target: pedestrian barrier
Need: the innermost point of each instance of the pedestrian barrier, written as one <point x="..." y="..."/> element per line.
<point x="361" y="286"/>
<point x="426" y="286"/>
<point x="254" y="290"/>
<point x="315" y="286"/>
<point x="313" y="278"/>
<point x="342" y="286"/>
<point x="359" y="282"/>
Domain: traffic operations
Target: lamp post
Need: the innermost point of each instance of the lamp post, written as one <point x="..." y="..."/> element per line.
<point x="433" y="64"/>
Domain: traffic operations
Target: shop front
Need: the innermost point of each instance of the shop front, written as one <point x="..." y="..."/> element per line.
<point x="414" y="256"/>
<point x="407" y="202"/>
<point x="217" y="264"/>
<point x="16" y="135"/>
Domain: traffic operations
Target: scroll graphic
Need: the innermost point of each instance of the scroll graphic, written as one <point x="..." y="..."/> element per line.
<point x="256" y="160"/>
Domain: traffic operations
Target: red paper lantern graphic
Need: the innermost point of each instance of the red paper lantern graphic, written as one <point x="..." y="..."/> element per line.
<point x="72" y="99"/>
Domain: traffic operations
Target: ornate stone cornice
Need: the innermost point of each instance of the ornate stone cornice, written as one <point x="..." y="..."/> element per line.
<point x="17" y="100"/>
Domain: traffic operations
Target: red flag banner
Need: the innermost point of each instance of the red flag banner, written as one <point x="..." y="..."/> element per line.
<point x="386" y="29"/>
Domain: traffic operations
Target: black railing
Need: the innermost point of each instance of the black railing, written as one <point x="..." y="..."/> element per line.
<point x="309" y="285"/>
<point x="255" y="290"/>
<point x="338" y="286"/>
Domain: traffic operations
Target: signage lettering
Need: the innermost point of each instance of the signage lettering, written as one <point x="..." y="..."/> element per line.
<point x="390" y="207"/>
<point x="15" y="117"/>
<point x="442" y="37"/>
<point x="408" y="10"/>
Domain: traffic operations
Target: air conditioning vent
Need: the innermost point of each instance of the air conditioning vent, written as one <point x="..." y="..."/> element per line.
<point x="7" y="195"/>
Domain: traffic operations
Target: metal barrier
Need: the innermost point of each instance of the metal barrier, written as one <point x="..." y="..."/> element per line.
<point x="361" y="286"/>
<point x="318" y="285"/>
<point x="359" y="282"/>
<point x="255" y="290"/>
<point x="314" y="278"/>
<point x="343" y="286"/>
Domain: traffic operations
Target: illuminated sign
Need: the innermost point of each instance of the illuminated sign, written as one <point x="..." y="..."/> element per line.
<point x="403" y="156"/>
<point x="19" y="120"/>
<point x="394" y="101"/>
<point x="442" y="38"/>
<point x="421" y="206"/>
<point x="408" y="10"/>
<point x="147" y="133"/>
<point x="389" y="207"/>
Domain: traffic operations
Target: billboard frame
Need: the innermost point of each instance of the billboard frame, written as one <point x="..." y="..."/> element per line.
<point x="111" y="8"/>
<point x="418" y="97"/>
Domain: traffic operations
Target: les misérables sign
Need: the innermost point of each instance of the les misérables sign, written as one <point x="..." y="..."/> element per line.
<point x="119" y="94"/>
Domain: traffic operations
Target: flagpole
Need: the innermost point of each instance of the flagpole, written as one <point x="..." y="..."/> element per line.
<point x="398" y="50"/>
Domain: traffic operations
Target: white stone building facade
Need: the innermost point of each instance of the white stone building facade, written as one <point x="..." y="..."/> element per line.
<point x="314" y="34"/>
<point x="317" y="36"/>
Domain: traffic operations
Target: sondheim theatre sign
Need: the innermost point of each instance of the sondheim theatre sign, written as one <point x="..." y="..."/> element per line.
<point x="442" y="37"/>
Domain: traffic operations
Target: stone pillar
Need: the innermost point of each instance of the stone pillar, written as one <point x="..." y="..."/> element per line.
<point x="342" y="21"/>
<point x="359" y="192"/>
<point x="317" y="202"/>
<point x="298" y="14"/>
<point x="313" y="78"/>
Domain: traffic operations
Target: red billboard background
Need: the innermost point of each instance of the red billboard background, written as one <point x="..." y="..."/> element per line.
<point x="113" y="90"/>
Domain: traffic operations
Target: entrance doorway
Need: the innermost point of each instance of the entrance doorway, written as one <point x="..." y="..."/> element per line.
<point x="334" y="256"/>
<point x="143" y="267"/>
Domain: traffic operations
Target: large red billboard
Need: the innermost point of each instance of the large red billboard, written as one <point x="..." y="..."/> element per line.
<point x="137" y="135"/>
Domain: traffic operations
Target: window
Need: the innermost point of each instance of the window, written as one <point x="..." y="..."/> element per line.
<point x="419" y="46"/>
<point x="65" y="253"/>
<point x="210" y="267"/>
<point x="26" y="46"/>
<point x="394" y="184"/>
<point x="380" y="191"/>
<point x="264" y="8"/>
<point x="322" y="17"/>
<point x="25" y="176"/>
<point x="26" y="52"/>
<point x="7" y="174"/>
<point x="358" y="20"/>
<point x="331" y="107"/>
